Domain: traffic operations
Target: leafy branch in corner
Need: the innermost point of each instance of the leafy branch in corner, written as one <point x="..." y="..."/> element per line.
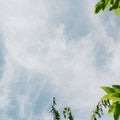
<point x="110" y="100"/>
<point x="114" y="5"/>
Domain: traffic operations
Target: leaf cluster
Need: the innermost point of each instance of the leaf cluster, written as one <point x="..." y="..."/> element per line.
<point x="114" y="5"/>
<point x="54" y="111"/>
<point x="110" y="100"/>
<point x="67" y="114"/>
<point x="98" y="112"/>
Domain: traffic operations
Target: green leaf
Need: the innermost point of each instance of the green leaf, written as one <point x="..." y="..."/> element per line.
<point x="112" y="96"/>
<point x="105" y="5"/>
<point x="98" y="7"/>
<point x="93" y="118"/>
<point x="108" y="89"/>
<point x="67" y="113"/>
<point x="54" y="111"/>
<point x="116" y="88"/>
<point x="112" y="108"/>
<point x="116" y="11"/>
<point x="112" y="2"/>
<point x="117" y="112"/>
<point x="116" y="4"/>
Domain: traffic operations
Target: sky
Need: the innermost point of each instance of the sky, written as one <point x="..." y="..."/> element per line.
<point x="55" y="48"/>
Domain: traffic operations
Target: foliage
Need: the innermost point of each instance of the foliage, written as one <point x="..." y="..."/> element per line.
<point x="114" y="5"/>
<point x="98" y="112"/>
<point x="54" y="111"/>
<point x="110" y="100"/>
<point x="67" y="114"/>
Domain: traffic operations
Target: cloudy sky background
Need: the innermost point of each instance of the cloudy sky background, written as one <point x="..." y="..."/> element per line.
<point x="55" y="48"/>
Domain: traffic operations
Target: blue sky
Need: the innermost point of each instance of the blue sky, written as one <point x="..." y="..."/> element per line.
<point x="55" y="48"/>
